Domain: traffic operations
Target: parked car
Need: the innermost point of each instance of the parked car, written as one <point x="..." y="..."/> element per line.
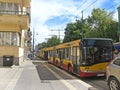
<point x="113" y="74"/>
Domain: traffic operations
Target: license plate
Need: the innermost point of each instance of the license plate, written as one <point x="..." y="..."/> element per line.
<point x="100" y="74"/>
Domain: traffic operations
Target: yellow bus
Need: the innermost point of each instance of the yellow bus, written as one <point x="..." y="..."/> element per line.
<point x="87" y="57"/>
<point x="50" y="54"/>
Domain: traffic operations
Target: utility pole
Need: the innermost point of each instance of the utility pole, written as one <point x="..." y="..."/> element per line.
<point x="119" y="22"/>
<point x="58" y="32"/>
<point x="82" y="26"/>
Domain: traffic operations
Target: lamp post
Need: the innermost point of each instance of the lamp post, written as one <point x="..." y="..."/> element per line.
<point x="34" y="34"/>
<point x="33" y="41"/>
<point x="59" y="34"/>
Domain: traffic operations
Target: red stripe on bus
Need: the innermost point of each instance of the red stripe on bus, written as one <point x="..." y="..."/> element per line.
<point x="88" y="74"/>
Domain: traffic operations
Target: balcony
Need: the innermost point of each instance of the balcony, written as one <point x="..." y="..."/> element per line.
<point x="25" y="3"/>
<point x="15" y="18"/>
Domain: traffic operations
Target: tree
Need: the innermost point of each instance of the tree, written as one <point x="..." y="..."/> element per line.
<point x="111" y="31"/>
<point x="44" y="44"/>
<point x="53" y="41"/>
<point x="73" y="30"/>
<point x="101" y="25"/>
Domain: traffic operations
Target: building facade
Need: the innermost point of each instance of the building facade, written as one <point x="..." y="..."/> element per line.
<point x="14" y="31"/>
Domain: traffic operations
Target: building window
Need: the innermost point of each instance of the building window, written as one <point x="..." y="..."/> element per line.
<point x="2" y="7"/>
<point x="9" y="8"/>
<point x="9" y="39"/>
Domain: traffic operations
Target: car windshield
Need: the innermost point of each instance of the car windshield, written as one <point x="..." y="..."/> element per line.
<point x="117" y="62"/>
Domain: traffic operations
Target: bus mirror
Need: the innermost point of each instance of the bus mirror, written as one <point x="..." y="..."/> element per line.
<point x="81" y="46"/>
<point x="113" y="48"/>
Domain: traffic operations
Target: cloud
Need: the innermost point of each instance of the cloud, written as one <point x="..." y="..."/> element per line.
<point x="43" y="12"/>
<point x="55" y="14"/>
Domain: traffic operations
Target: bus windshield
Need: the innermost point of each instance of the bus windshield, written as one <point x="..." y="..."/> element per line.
<point x="97" y="51"/>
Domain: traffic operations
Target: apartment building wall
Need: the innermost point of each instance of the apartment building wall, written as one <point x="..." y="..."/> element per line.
<point x="14" y="25"/>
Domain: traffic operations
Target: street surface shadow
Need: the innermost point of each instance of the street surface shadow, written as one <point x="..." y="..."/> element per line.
<point x="44" y="73"/>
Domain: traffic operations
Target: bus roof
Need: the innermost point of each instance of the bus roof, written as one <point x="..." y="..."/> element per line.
<point x="97" y="39"/>
<point x="68" y="44"/>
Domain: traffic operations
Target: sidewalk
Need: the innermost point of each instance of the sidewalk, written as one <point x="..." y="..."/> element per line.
<point x="25" y="77"/>
<point x="9" y="76"/>
<point x="29" y="79"/>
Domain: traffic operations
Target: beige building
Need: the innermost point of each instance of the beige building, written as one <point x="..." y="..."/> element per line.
<point x="14" y="31"/>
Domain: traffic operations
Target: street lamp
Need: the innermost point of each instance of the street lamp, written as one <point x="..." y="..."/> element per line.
<point x="33" y="42"/>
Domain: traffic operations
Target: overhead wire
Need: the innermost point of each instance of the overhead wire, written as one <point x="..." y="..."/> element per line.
<point x="75" y="10"/>
<point x="113" y="6"/>
<point x="90" y="5"/>
<point x="81" y="6"/>
<point x="94" y="3"/>
<point x="85" y="8"/>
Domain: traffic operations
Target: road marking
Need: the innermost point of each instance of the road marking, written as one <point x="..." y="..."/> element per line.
<point x="68" y="85"/>
<point x="73" y="77"/>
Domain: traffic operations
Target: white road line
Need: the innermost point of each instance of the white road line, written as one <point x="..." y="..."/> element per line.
<point x="80" y="81"/>
<point x="68" y="85"/>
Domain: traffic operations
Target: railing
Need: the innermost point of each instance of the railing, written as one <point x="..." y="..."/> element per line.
<point x="14" y="12"/>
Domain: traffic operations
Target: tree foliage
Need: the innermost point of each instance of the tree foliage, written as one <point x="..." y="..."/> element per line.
<point x="51" y="42"/>
<point x="72" y="31"/>
<point x="99" y="25"/>
<point x="44" y="44"/>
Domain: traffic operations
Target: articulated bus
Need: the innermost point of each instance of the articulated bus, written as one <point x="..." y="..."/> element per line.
<point x="87" y="57"/>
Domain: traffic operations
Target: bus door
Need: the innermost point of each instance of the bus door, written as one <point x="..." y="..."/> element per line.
<point x="62" y="57"/>
<point x="46" y="55"/>
<point x="76" y="58"/>
<point x="54" y="55"/>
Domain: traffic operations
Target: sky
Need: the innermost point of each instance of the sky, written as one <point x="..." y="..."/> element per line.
<point x="49" y="16"/>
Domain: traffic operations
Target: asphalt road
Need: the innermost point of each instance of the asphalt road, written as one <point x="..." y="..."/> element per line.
<point x="45" y="74"/>
<point x="63" y="80"/>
